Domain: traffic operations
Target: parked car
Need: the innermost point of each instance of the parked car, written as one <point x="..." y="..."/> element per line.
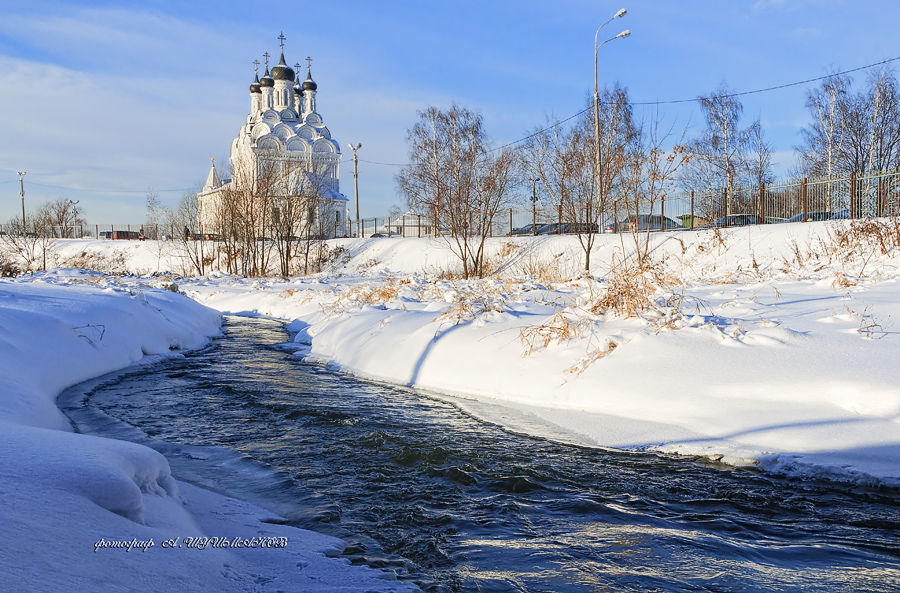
<point x="811" y="217"/>
<point x="645" y="222"/>
<point x="568" y="228"/>
<point x="528" y="229"/>
<point x="843" y="214"/>
<point x="734" y="220"/>
<point x="128" y="235"/>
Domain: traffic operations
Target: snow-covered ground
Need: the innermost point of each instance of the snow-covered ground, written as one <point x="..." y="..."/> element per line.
<point x="69" y="500"/>
<point x="773" y="346"/>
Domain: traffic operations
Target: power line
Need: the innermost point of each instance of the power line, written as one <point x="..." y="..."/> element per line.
<point x="676" y="101"/>
<point x="105" y="191"/>
<point x="520" y="140"/>
<point x="775" y="88"/>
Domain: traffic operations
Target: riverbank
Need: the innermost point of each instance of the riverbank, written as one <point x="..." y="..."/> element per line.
<point x="83" y="513"/>
<point x="767" y="346"/>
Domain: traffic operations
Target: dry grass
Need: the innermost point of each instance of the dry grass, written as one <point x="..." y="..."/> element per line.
<point x="114" y="263"/>
<point x="558" y="328"/>
<point x="593" y="356"/>
<point x="376" y="295"/>
<point x="629" y="292"/>
<point x="471" y="301"/>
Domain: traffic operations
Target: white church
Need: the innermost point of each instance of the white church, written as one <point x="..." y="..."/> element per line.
<point x="285" y="130"/>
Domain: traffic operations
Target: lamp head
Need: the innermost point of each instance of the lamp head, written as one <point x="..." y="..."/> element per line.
<point x="21" y="173"/>
<point x="622" y="12"/>
<point x="624" y="34"/>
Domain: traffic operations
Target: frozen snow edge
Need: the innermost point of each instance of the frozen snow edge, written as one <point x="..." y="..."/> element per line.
<point x="72" y="500"/>
<point x="559" y="425"/>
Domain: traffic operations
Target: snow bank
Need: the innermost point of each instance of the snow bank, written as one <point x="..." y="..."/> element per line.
<point x="772" y="345"/>
<point x="71" y="501"/>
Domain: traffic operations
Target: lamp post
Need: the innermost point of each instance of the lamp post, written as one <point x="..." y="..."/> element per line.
<point x="74" y="205"/>
<point x="356" y="184"/>
<point x="599" y="178"/>
<point x="534" y="207"/>
<point x="22" y="193"/>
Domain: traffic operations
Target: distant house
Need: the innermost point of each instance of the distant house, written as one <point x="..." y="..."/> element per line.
<point x="685" y="220"/>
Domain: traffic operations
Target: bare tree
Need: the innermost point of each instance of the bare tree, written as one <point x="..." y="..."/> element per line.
<point x="651" y="169"/>
<point x="156" y="214"/>
<point x="454" y="178"/>
<point x="721" y="145"/>
<point x="188" y="236"/>
<point x="758" y="164"/>
<point x="59" y="218"/>
<point x="820" y="154"/>
<point x="564" y="160"/>
<point x="25" y="247"/>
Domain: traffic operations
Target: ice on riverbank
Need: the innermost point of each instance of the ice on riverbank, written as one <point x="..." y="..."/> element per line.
<point x="70" y="501"/>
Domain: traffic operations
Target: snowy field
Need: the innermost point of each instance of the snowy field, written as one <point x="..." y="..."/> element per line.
<point x="773" y="346"/>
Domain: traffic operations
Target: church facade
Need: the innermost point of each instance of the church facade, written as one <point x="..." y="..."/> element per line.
<point x="283" y="158"/>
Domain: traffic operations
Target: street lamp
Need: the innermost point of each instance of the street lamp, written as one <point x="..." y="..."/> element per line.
<point x="74" y="205"/>
<point x="356" y="183"/>
<point x="22" y="193"/>
<point x="534" y="206"/>
<point x="599" y="178"/>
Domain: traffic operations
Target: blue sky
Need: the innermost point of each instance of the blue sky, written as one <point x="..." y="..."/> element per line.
<point x="125" y="96"/>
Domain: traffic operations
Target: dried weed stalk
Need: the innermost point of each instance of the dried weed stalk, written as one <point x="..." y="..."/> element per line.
<point x="560" y="327"/>
<point x="471" y="301"/>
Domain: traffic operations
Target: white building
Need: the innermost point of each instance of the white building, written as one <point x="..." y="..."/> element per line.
<point x="284" y="129"/>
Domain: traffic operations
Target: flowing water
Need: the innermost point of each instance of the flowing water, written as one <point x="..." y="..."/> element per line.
<point x="452" y="503"/>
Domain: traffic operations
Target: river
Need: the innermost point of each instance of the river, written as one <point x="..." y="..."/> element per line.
<point x="417" y="486"/>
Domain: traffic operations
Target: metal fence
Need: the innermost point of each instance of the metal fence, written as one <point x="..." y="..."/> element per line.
<point x="851" y="196"/>
<point x="802" y="199"/>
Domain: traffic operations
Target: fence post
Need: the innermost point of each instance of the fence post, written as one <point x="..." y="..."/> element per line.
<point x="853" y="194"/>
<point x="725" y="206"/>
<point x="803" y="199"/>
<point x="762" y="202"/>
<point x="510" y="221"/>
<point x="559" y="221"/>
<point x="662" y="213"/>
<point x="419" y="221"/>
<point x="692" y="209"/>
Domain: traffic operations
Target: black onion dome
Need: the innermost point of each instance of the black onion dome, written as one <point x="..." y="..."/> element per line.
<point x="267" y="80"/>
<point x="254" y="86"/>
<point x="308" y="84"/>
<point x="282" y="71"/>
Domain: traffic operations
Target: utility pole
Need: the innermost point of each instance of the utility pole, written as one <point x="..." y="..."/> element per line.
<point x="356" y="184"/>
<point x="597" y="171"/>
<point x="22" y="193"/>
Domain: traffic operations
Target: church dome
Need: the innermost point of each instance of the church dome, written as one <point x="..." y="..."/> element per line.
<point x="282" y="71"/>
<point x="309" y="84"/>
<point x="254" y="86"/>
<point x="267" y="80"/>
